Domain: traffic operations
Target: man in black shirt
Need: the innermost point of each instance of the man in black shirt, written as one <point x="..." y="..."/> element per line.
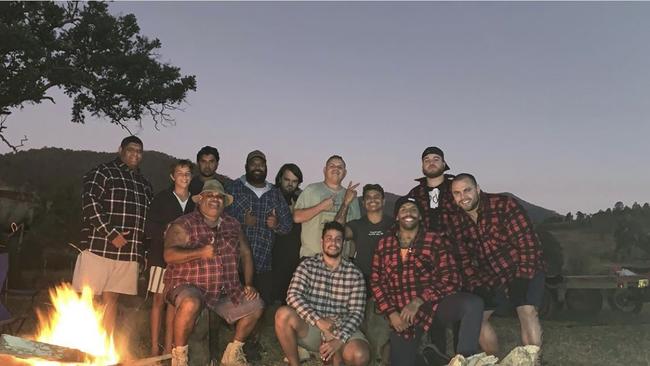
<point x="207" y="160"/>
<point x="365" y="234"/>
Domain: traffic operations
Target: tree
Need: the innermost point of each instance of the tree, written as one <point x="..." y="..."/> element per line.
<point x="568" y="217"/>
<point x="99" y="60"/>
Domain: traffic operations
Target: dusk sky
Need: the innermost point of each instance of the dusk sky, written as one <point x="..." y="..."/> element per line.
<point x="549" y="101"/>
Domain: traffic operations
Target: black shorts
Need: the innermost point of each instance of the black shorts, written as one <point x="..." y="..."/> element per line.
<point x="499" y="298"/>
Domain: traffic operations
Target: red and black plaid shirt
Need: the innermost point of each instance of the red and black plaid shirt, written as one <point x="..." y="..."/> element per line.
<point x="217" y="276"/>
<point x="428" y="272"/>
<point x="499" y="247"/>
<point x="432" y="217"/>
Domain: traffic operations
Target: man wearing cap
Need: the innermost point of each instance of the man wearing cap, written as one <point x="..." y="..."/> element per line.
<point x="261" y="209"/>
<point x="324" y="202"/>
<point x="207" y="160"/>
<point x="501" y="257"/>
<point x="433" y="191"/>
<point x="115" y="199"/>
<point x="203" y="251"/>
<point x="415" y="281"/>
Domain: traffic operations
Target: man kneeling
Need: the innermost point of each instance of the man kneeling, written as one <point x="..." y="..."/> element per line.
<point x="202" y="251"/>
<point x="326" y="303"/>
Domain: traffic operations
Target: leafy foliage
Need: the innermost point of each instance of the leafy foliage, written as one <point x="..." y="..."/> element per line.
<point x="97" y="59"/>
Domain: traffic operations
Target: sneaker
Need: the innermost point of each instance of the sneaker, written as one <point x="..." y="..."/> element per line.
<point x="234" y="355"/>
<point x="179" y="356"/>
<point x="303" y="355"/>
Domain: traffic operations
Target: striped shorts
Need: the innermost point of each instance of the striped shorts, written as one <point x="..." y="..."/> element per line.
<point x="156" y="275"/>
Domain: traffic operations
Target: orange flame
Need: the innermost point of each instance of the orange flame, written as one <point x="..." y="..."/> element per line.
<point x="76" y="323"/>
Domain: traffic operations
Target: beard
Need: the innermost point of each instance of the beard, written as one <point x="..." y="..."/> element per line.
<point x="333" y="256"/>
<point x="434" y="174"/>
<point x="409" y="225"/>
<point x="255" y="176"/>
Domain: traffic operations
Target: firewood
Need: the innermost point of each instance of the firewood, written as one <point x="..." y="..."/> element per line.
<point x="26" y="348"/>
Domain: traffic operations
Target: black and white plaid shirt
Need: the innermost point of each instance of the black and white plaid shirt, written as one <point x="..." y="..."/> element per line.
<point x="317" y="292"/>
<point x="115" y="199"/>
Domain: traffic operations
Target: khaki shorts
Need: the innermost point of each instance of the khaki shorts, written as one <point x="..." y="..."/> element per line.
<point x="156" y="284"/>
<point x="224" y="307"/>
<point x="313" y="339"/>
<point x="104" y="274"/>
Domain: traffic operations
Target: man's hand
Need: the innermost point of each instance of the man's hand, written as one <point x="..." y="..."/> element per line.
<point x="327" y="203"/>
<point x="329" y="348"/>
<point x="249" y="218"/>
<point x="350" y="193"/>
<point x="397" y="322"/>
<point x="120" y="240"/>
<point x="207" y="252"/>
<point x="409" y="311"/>
<point x="272" y="220"/>
<point x="325" y="325"/>
<point x="250" y="293"/>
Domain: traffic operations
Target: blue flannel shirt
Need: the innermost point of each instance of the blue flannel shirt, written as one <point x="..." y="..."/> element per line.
<point x="260" y="237"/>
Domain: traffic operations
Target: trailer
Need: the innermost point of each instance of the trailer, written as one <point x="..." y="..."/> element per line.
<point x="626" y="289"/>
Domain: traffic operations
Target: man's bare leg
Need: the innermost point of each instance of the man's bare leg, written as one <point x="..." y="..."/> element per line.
<point x="109" y="299"/>
<point x="289" y="326"/>
<point x="186" y="314"/>
<point x="488" y="338"/>
<point x="155" y="318"/>
<point x="356" y="353"/>
<point x="531" y="329"/>
<point x="245" y="325"/>
<point x="169" y="327"/>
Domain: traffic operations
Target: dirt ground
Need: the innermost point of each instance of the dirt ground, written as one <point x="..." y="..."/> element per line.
<point x="609" y="339"/>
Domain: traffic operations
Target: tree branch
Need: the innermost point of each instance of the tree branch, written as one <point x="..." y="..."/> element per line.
<point x="3" y="119"/>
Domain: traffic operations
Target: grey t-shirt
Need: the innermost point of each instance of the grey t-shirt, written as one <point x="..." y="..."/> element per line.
<point x="366" y="235"/>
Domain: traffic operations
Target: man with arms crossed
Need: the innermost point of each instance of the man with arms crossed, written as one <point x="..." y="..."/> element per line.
<point x="326" y="302"/>
<point x="500" y="254"/>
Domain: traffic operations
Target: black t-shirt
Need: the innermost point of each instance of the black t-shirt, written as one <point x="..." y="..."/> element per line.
<point x="366" y="235"/>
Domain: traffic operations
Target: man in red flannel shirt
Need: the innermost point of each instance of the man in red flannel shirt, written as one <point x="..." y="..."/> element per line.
<point x="203" y="251"/>
<point x="501" y="257"/>
<point x="415" y="281"/>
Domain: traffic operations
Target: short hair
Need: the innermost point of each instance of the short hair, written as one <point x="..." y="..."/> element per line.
<point x="463" y="176"/>
<point x="293" y="168"/>
<point x="333" y="225"/>
<point x="131" y="140"/>
<point x="180" y="163"/>
<point x="207" y="150"/>
<point x="373" y="187"/>
<point x="334" y="157"/>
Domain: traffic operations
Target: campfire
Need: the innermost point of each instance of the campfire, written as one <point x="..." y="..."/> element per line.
<point x="75" y="322"/>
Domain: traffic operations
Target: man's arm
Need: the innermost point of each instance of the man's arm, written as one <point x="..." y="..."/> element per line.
<point x="301" y="215"/>
<point x="94" y="188"/>
<point x="175" y="252"/>
<point x="285" y="220"/>
<point x="525" y="240"/>
<point x="295" y="295"/>
<point x="379" y="282"/>
<point x="246" y="259"/>
<point x="349" y="197"/>
<point x="356" y="308"/>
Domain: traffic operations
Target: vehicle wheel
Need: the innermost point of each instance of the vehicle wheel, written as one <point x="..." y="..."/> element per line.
<point x="584" y="301"/>
<point x="625" y="300"/>
<point x="550" y="305"/>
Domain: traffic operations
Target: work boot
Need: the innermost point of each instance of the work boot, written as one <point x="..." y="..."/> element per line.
<point x="234" y="355"/>
<point x="179" y="356"/>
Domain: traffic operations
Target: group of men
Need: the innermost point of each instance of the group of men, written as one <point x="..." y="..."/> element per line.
<point x="357" y="290"/>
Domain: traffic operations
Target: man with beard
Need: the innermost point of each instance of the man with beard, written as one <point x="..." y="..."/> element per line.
<point x="433" y="191"/>
<point x="286" y="248"/>
<point x="501" y="257"/>
<point x="207" y="160"/>
<point x="324" y="202"/>
<point x="326" y="301"/>
<point x="365" y="233"/>
<point x="415" y="281"/>
<point x="263" y="212"/>
<point x="203" y="251"/>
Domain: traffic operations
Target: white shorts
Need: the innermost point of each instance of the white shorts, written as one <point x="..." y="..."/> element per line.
<point x="104" y="274"/>
<point x="156" y="284"/>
